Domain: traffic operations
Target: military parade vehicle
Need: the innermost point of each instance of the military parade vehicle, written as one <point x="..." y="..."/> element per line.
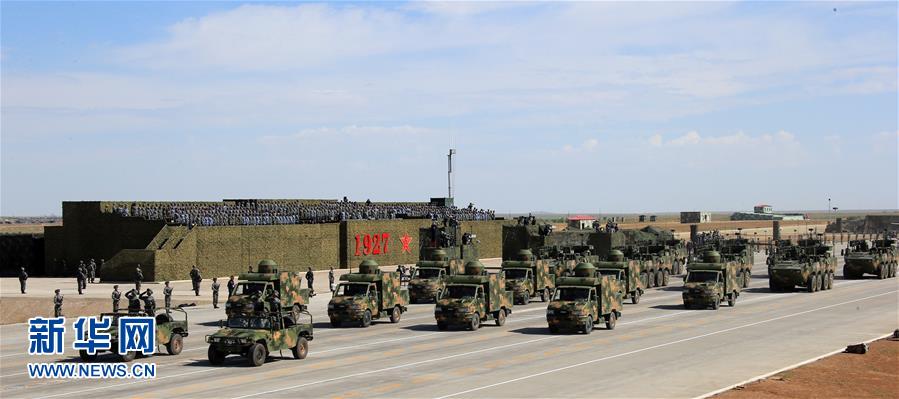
<point x="527" y="277"/>
<point x="627" y="271"/>
<point x="368" y="295"/>
<point x="711" y="281"/>
<point x="170" y="332"/>
<point x="251" y="289"/>
<point x="656" y="263"/>
<point x="429" y="277"/>
<point x="256" y="336"/>
<point x="583" y="300"/>
<point x="808" y="264"/>
<point x="473" y="297"/>
<point x="878" y="257"/>
<point x="741" y="251"/>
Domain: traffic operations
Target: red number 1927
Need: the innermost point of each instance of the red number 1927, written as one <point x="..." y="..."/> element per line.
<point x="372" y="244"/>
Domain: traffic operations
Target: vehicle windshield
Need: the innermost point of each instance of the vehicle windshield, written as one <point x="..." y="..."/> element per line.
<point x="427" y="273"/>
<point x="702" y="277"/>
<point x="249" y="322"/>
<point x="609" y="272"/>
<point x="352" y="289"/>
<point x="572" y="294"/>
<point x="250" y="288"/>
<point x="460" y="291"/>
<point x="515" y="273"/>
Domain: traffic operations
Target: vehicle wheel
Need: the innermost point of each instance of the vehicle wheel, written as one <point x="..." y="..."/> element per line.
<point x="301" y="349"/>
<point x="527" y="298"/>
<point x="773" y="287"/>
<point x="129" y="356"/>
<point x="747" y="277"/>
<point x="366" y="318"/>
<point x="175" y="344"/>
<point x="664" y="278"/>
<point x="658" y="279"/>
<point x="475" y="322"/>
<point x="500" y="317"/>
<point x="676" y="268"/>
<point x="732" y="300"/>
<point x="588" y="325"/>
<point x="883" y="273"/>
<point x="635" y="297"/>
<point x="849" y="274"/>
<point x="812" y="283"/>
<point x="553" y="330"/>
<point x="396" y="315"/>
<point x="716" y="304"/>
<point x="442" y="326"/>
<point x="610" y="321"/>
<point x="335" y="323"/>
<point x="545" y="295"/>
<point x="215" y="357"/>
<point x="256" y="355"/>
<point x="86" y="356"/>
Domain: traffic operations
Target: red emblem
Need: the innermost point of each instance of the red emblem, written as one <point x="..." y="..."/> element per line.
<point x="405" y="239"/>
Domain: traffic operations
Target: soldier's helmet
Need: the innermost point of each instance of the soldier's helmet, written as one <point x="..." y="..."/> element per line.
<point x="149" y="291"/>
<point x="369" y="266"/>
<point x="524" y="254"/>
<point x="438" y="254"/>
<point x="711" y="257"/>
<point x="267" y="266"/>
<point x="616" y="256"/>
<point x="474" y="268"/>
<point x="584" y="269"/>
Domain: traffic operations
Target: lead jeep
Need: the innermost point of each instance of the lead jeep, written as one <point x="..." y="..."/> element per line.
<point x="257" y="336"/>
<point x="170" y="331"/>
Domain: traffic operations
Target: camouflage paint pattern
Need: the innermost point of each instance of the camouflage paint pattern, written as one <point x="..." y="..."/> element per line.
<point x="166" y="326"/>
<point x="712" y="292"/>
<point x="384" y="296"/>
<point x="805" y="264"/>
<point x="605" y="298"/>
<point x="631" y="282"/>
<point x="229" y="340"/>
<point x="288" y="285"/>
<point x="878" y="258"/>
<point x="539" y="278"/>
<point x="492" y="298"/>
<point x="425" y="289"/>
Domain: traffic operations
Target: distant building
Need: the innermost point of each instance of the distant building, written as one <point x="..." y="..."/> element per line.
<point x="695" y="217"/>
<point x="765" y="212"/>
<point x="581" y="222"/>
<point x="652" y="218"/>
<point x="642" y="218"/>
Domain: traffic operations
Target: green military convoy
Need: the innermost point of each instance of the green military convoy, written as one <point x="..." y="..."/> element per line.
<point x="582" y="277"/>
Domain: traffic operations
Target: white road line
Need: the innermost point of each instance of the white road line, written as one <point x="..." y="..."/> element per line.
<point x="663" y="345"/>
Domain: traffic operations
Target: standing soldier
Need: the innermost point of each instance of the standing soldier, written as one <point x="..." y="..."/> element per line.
<point x="309" y="277"/>
<point x="167" y="293"/>
<point x="250" y="269"/>
<point x="80" y="277"/>
<point x="82" y="270"/>
<point x="215" y="292"/>
<point x="138" y="277"/>
<point x="133" y="300"/>
<point x="195" y="279"/>
<point x="116" y="297"/>
<point x="91" y="271"/>
<point x="231" y="285"/>
<point x="331" y="280"/>
<point x="149" y="302"/>
<point x="57" y="304"/>
<point x="22" y="277"/>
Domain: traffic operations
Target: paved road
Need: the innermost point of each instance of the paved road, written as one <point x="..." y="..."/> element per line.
<point x="658" y="349"/>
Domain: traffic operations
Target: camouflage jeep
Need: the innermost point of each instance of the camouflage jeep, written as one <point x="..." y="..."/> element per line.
<point x="256" y="336"/>
<point x="170" y="331"/>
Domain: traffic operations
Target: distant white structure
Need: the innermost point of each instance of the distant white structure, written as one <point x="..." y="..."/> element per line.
<point x="765" y="212"/>
<point x="581" y="222"/>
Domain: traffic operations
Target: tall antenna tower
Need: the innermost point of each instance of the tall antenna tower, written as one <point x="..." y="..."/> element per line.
<point x="449" y="172"/>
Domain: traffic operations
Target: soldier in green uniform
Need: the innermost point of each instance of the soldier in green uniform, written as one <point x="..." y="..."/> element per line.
<point x="149" y="302"/>
<point x="195" y="279"/>
<point x="133" y="300"/>
<point x="138" y="277"/>
<point x="116" y="297"/>
<point x="215" y="292"/>
<point x="309" y="278"/>
<point x="57" y="304"/>
<point x="23" y="276"/>
<point x="231" y="285"/>
<point x="79" y="279"/>
<point x="167" y="294"/>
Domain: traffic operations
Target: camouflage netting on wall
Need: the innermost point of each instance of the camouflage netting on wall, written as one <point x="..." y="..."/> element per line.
<point x="21" y="250"/>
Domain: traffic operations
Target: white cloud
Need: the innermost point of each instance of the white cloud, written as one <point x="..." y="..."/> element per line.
<point x="693" y="138"/>
<point x="655" y="140"/>
<point x="588" y="145"/>
<point x="687" y="139"/>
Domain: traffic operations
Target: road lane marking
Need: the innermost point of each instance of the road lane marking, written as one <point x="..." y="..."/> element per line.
<point x="662" y="345"/>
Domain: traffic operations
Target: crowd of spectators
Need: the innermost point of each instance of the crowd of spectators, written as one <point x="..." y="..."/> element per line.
<point x="259" y="212"/>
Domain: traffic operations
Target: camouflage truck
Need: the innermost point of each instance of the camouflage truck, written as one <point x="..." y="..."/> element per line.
<point x="583" y="300"/>
<point x="473" y="297"/>
<point x="741" y="251"/>
<point x="808" y="264"/>
<point x="250" y="292"/>
<point x="527" y="277"/>
<point x="428" y="279"/>
<point x="627" y="272"/>
<point x="656" y="263"/>
<point x="562" y="260"/>
<point x="170" y="331"/>
<point x="368" y="295"/>
<point x="711" y="281"/>
<point x="256" y="335"/>
<point x="878" y="258"/>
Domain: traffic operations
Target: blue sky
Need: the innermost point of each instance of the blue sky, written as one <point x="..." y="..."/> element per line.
<point x="564" y="107"/>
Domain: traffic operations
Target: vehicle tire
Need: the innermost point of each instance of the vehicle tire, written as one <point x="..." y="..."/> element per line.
<point x="442" y="326"/>
<point x="747" y="277"/>
<point x="500" y="318"/>
<point x="553" y="330"/>
<point x="546" y="295"/>
<point x="675" y="269"/>
<point x="828" y="280"/>
<point x="527" y="298"/>
<point x="129" y="356"/>
<point x="883" y="272"/>
<point x="215" y="357"/>
<point x="610" y="321"/>
<point x="658" y="279"/>
<point x="256" y="355"/>
<point x="716" y="304"/>
<point x="475" y="323"/>
<point x="812" y="284"/>
<point x="732" y="300"/>
<point x="664" y="278"/>
<point x="773" y="287"/>
<point x="635" y="297"/>
<point x="588" y="325"/>
<point x="301" y="349"/>
<point x="86" y="356"/>
<point x="396" y="314"/>
<point x="366" y="318"/>
<point x="335" y="323"/>
<point x="175" y="345"/>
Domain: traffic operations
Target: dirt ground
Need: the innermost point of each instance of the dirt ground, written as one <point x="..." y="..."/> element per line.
<point x="19" y="310"/>
<point x="844" y="375"/>
<point x="25" y="228"/>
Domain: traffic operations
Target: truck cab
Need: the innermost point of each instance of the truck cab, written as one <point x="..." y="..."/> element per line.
<point x="527" y="277"/>
<point x="581" y="301"/>
<point x="627" y="272"/>
<point x="710" y="282"/>
<point x="368" y="295"/>
<point x="249" y="294"/>
<point x="473" y="297"/>
<point x="428" y="279"/>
